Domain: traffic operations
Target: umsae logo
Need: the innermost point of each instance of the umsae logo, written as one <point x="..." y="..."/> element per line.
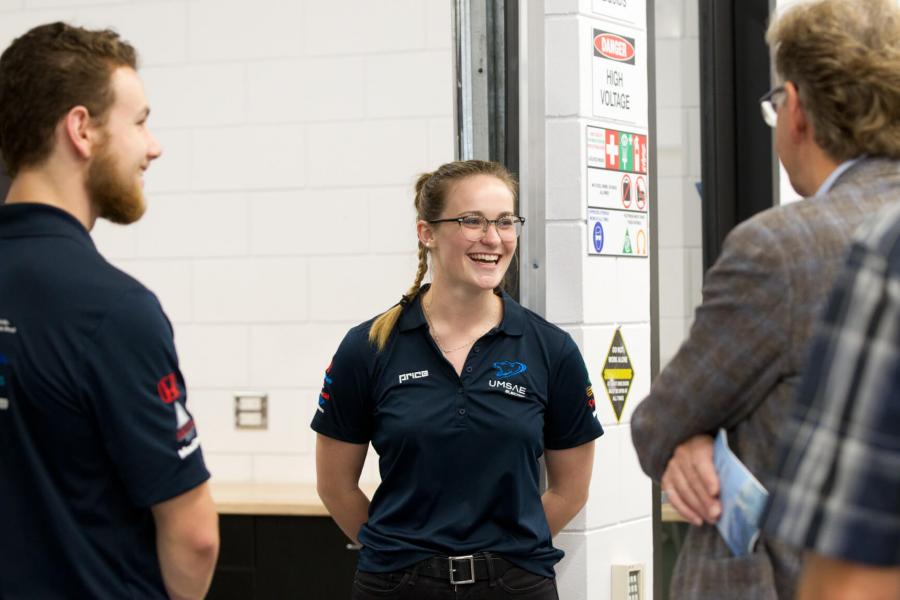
<point x="614" y="47"/>
<point x="507" y="369"/>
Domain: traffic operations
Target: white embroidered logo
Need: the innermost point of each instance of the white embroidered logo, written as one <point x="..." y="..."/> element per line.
<point x="512" y="389"/>
<point x="7" y="327"/>
<point x="413" y="375"/>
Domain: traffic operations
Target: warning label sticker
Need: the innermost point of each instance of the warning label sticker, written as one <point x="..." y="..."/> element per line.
<point x="617" y="191"/>
<point x="619" y="69"/>
<point x="618" y="374"/>
<point x="618" y="194"/>
<point x="616" y="150"/>
<point x="617" y="233"/>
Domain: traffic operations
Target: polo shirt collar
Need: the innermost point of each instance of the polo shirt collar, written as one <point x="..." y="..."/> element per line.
<point x="41" y="220"/>
<point x="512" y="324"/>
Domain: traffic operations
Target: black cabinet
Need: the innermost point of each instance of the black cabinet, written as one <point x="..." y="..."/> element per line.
<point x="282" y="558"/>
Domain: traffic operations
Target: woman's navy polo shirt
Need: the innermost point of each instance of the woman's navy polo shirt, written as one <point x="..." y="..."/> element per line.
<point x="458" y="455"/>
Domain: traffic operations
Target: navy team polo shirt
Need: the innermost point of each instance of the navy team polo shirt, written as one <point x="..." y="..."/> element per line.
<point x="93" y="426"/>
<point x="458" y="455"/>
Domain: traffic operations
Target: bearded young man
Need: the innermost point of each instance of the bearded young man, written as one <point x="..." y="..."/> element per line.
<point x="104" y="490"/>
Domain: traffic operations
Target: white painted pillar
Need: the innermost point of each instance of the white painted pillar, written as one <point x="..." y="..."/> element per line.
<point x="598" y="254"/>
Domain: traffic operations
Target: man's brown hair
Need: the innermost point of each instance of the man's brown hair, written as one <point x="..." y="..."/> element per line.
<point x="47" y="72"/>
<point x="844" y="58"/>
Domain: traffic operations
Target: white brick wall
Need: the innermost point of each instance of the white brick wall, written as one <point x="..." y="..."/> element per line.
<point x="280" y="213"/>
<point x="292" y="136"/>
<point x="593" y="295"/>
<point x="678" y="165"/>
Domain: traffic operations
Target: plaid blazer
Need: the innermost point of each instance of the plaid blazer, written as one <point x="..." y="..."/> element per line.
<point x="740" y="366"/>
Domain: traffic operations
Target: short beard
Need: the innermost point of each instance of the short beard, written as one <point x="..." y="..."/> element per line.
<point x="114" y="197"/>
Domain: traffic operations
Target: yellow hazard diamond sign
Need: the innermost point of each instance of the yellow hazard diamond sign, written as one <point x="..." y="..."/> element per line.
<point x="618" y="374"/>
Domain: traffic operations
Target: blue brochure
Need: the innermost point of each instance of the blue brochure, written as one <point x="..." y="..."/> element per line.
<point x="742" y="496"/>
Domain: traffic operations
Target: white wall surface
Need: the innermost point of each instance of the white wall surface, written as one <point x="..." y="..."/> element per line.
<point x="678" y="164"/>
<point x="280" y="213"/>
<point x="592" y="295"/>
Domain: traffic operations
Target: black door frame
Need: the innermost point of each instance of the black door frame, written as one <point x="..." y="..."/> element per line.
<point x="736" y="145"/>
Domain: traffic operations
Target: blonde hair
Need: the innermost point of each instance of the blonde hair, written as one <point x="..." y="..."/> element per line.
<point x="431" y="197"/>
<point x="844" y="59"/>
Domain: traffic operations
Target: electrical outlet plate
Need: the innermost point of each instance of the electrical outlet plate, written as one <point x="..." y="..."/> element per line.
<point x="251" y="410"/>
<point x="627" y="582"/>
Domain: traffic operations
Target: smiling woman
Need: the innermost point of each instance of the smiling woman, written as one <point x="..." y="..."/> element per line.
<point x="462" y="189"/>
<point x="460" y="391"/>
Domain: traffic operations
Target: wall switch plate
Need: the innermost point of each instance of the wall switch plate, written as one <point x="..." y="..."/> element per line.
<point x="251" y="410"/>
<point x="627" y="582"/>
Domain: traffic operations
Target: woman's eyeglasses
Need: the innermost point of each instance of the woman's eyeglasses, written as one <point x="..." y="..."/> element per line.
<point x="475" y="227"/>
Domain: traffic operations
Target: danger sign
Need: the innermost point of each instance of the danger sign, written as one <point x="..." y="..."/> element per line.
<point x="619" y="66"/>
<point x="618" y="374"/>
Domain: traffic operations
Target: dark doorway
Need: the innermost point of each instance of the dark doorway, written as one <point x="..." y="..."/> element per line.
<point x="736" y="145"/>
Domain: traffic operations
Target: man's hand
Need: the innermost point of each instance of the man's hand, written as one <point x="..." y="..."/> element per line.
<point x="691" y="483"/>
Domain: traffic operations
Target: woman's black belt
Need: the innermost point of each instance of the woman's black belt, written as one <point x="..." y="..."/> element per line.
<point x="460" y="570"/>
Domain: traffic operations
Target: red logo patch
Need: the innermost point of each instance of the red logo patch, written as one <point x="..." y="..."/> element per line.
<point x="168" y="389"/>
<point x="614" y="47"/>
<point x="184" y="430"/>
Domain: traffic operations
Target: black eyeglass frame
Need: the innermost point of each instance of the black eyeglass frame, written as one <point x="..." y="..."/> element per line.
<point x="486" y="223"/>
<point x="766" y="99"/>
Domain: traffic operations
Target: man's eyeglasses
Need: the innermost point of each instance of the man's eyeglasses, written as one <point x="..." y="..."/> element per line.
<point x="474" y="227"/>
<point x="769" y="107"/>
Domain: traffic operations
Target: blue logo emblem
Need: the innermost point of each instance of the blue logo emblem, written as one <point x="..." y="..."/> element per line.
<point x="507" y="369"/>
<point x="598" y="237"/>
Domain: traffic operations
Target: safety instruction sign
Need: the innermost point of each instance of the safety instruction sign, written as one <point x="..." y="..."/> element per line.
<point x="616" y="150"/>
<point x="618" y="374"/>
<point x="617" y="233"/>
<point x="633" y="12"/>
<point x="618" y="195"/>
<point x="619" y="70"/>
<point x="620" y="191"/>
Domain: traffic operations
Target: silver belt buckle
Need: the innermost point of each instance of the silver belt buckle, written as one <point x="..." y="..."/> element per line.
<point x="453" y="579"/>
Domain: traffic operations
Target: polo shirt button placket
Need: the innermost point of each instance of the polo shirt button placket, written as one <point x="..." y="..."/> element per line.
<point x="460" y="411"/>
